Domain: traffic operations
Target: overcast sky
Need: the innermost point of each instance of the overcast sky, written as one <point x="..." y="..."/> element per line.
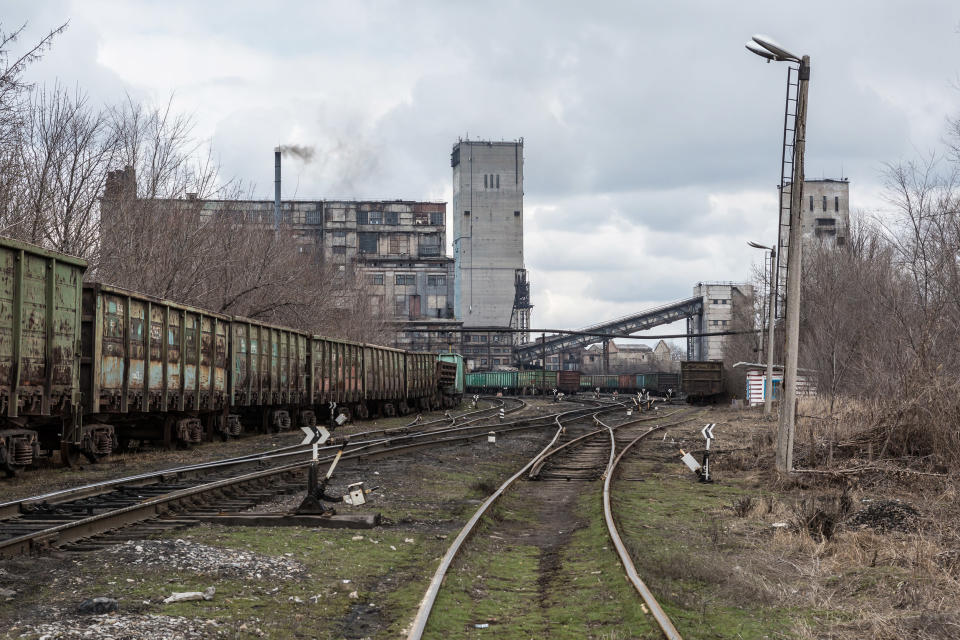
<point x="652" y="137"/>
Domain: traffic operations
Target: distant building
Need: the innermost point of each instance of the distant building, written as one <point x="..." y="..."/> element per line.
<point x="724" y="303"/>
<point x="398" y="246"/>
<point x="826" y="212"/>
<point x="627" y="358"/>
<point x="488" y="234"/>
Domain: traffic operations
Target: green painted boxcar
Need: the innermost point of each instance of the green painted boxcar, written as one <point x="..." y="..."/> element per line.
<point x="492" y="381"/>
<point x="604" y="382"/>
<point x="40" y="306"/>
<point x="450" y="378"/>
<point x="536" y="380"/>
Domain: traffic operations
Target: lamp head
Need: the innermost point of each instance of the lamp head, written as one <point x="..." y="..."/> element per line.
<point x="772" y="46"/>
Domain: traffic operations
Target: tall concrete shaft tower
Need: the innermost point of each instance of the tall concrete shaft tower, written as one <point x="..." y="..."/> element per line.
<point x="488" y="232"/>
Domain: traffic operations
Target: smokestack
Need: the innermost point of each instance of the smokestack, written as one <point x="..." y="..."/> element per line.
<point x="276" y="188"/>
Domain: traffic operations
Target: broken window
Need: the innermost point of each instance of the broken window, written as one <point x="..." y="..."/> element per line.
<point x="836" y="203"/>
<point x="436" y="218"/>
<point x="375" y="217"/>
<point x="367" y="242"/>
<point x="399" y="243"/>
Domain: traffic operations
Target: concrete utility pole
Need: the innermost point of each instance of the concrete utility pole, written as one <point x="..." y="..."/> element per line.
<point x="788" y="407"/>
<point x="771" y="325"/>
<point x="767" y="48"/>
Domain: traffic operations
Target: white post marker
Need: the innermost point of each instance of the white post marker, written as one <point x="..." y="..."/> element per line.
<point x="316" y="436"/>
<point x="707" y="432"/>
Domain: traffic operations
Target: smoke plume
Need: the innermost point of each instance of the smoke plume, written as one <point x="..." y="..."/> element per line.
<point x="304" y="152"/>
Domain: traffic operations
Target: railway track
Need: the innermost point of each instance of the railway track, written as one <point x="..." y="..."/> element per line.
<point x="583" y="448"/>
<point x="160" y="499"/>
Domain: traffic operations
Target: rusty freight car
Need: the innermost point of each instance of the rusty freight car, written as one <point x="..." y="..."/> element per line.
<point x="268" y="381"/>
<point x="152" y="369"/>
<point x="40" y="294"/>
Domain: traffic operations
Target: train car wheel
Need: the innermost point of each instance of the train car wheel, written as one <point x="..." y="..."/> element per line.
<point x="69" y="454"/>
<point x="362" y="412"/>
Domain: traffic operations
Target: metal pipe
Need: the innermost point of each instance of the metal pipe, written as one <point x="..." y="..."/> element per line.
<point x="276" y="188"/>
<point x="771" y="330"/>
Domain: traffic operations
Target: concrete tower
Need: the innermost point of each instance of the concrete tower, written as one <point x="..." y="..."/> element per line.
<point x="487" y="232"/>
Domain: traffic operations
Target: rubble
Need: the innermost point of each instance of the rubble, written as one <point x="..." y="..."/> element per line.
<point x="186" y="555"/>
<point x="886" y="515"/>
<point x="98" y="606"/>
<point x="114" y="627"/>
<point x="187" y="596"/>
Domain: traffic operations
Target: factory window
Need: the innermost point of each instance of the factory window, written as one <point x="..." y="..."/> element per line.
<point x="400" y="305"/>
<point x="824" y="203"/>
<point x="811" y="203"/>
<point x="496" y="361"/>
<point x="375" y="278"/>
<point x="436" y="281"/>
<point x="340" y="250"/>
<point x="436" y="218"/>
<point x="498" y="181"/>
<point x="421" y="218"/>
<point x="375" y="217"/>
<point x="484" y="361"/>
<point x="391" y="217"/>
<point x="836" y="203"/>
<point x="826" y="222"/>
<point x="399" y="243"/>
<point x="483" y="338"/>
<point x="361" y="217"/>
<point x="339" y="234"/>
<point x="485" y="181"/>
<point x="367" y="242"/>
<point x="466" y="213"/>
<point x="406" y="278"/>
<point x="314" y="217"/>
<point x="336" y="215"/>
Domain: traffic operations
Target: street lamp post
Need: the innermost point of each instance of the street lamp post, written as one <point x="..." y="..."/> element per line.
<point x="768" y="48"/>
<point x="772" y="315"/>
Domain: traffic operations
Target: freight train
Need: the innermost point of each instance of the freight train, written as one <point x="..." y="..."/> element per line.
<point x="569" y="382"/>
<point x="86" y="367"/>
<point x="697" y="380"/>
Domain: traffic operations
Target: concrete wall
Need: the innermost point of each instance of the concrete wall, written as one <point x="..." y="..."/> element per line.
<point x="487" y="229"/>
<point x="720" y="301"/>
<point x="826" y="212"/>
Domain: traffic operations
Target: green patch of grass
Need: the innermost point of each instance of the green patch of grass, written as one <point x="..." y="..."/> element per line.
<point x="685" y="546"/>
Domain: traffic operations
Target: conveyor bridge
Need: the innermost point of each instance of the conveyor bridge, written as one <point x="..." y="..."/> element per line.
<point x="690" y="308"/>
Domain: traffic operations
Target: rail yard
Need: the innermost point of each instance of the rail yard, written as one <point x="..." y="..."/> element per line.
<point x="532" y="334"/>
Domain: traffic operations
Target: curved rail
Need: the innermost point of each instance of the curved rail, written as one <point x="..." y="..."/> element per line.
<point x="15" y="507"/>
<point x="663" y="620"/>
<point x="426" y="604"/>
<point x="94" y="524"/>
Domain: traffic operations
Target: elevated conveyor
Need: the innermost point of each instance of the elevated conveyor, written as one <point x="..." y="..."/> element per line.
<point x="633" y="323"/>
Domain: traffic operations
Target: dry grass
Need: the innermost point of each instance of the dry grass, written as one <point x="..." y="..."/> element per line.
<point x="859" y="582"/>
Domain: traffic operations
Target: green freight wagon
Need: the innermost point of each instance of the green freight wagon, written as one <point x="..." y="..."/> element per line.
<point x="533" y="381"/>
<point x="155" y="369"/>
<point x="604" y="382"/>
<point x="450" y="377"/>
<point x="40" y="306"/>
<point x="492" y="381"/>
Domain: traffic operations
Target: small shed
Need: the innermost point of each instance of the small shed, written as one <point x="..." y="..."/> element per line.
<point x="757" y="382"/>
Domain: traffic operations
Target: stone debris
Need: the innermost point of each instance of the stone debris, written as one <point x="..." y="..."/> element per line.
<point x="187" y="596"/>
<point x="886" y="515"/>
<point x="191" y="556"/>
<point x="98" y="606"/>
<point x="125" y="627"/>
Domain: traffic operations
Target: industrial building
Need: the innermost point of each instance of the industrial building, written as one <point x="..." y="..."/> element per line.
<point x="398" y="246"/>
<point x="490" y="284"/>
<point x="825" y="213"/>
<point x="725" y="304"/>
